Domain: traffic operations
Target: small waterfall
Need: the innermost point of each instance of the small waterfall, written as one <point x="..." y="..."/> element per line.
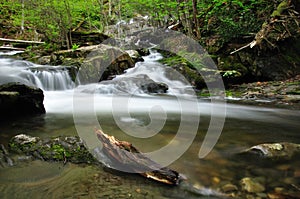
<point x="48" y="78"/>
<point x="144" y="72"/>
<point x="53" y="80"/>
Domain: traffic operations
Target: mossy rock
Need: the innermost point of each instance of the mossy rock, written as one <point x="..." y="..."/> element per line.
<point x="62" y="148"/>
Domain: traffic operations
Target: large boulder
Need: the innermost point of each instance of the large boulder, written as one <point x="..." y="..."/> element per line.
<point x="103" y="62"/>
<point x="18" y="100"/>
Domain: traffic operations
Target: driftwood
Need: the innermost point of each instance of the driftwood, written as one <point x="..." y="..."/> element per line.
<point x="124" y="154"/>
<point x="11" y="48"/>
<point x="20" y="41"/>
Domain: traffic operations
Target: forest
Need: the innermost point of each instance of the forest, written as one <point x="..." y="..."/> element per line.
<point x="56" y="19"/>
<point x="150" y="99"/>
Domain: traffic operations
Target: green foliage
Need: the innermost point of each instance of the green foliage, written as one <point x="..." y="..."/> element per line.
<point x="56" y="18"/>
<point x="75" y="47"/>
<point x="232" y="19"/>
<point x="231" y="73"/>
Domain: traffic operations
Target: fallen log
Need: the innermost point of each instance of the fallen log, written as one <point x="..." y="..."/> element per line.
<point x="124" y="154"/>
<point x="8" y="48"/>
<point x="20" y="41"/>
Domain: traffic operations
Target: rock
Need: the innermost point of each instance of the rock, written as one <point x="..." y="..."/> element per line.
<point x="154" y="87"/>
<point x="229" y="188"/>
<point x="87" y="38"/>
<point x="18" y="100"/>
<point x="143" y="51"/>
<point x="134" y="54"/>
<point x="44" y="60"/>
<point x="276" y="151"/>
<point x="103" y="62"/>
<point x="63" y="149"/>
<point x="251" y="186"/>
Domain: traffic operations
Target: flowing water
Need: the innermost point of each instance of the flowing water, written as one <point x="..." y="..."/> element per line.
<point x="70" y="112"/>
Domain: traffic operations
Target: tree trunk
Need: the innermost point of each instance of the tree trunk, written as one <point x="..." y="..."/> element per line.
<point x="23" y="17"/>
<point x="196" y="22"/>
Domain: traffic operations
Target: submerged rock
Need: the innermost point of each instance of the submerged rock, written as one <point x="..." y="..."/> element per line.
<point x="277" y="151"/>
<point x="66" y="149"/>
<point x="19" y="100"/>
<point x="251" y="185"/>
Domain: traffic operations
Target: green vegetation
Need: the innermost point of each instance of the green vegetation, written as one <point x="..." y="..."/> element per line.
<point x="75" y="47"/>
<point x="220" y="26"/>
<point x="54" y="20"/>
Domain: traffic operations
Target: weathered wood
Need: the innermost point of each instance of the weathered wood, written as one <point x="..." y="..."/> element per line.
<point x="11" y="48"/>
<point x="20" y="41"/>
<point x="124" y="154"/>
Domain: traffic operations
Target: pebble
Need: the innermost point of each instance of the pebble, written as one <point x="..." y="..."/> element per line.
<point x="278" y="189"/>
<point x="229" y="188"/>
<point x="216" y="180"/>
<point x="251" y="186"/>
<point x="138" y="190"/>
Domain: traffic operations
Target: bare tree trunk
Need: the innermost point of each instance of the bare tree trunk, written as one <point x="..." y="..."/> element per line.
<point x="23" y="17"/>
<point x="185" y="17"/>
<point x="109" y="8"/>
<point x="195" y="17"/>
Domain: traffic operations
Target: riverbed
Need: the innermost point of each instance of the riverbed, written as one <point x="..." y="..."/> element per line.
<point x="68" y="112"/>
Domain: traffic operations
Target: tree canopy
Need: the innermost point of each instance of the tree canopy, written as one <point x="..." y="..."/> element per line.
<point x="55" y="19"/>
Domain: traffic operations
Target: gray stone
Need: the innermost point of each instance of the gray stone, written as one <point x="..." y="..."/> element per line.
<point x="103" y="62"/>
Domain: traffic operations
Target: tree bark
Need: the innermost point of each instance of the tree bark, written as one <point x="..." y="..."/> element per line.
<point x="195" y="17"/>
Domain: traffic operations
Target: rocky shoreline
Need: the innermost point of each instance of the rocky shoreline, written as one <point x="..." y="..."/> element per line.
<point x="280" y="94"/>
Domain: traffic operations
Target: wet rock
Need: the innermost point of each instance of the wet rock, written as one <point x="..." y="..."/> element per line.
<point x="134" y="85"/>
<point x="103" y="62"/>
<point x="135" y="55"/>
<point x="277" y="151"/>
<point x="143" y="51"/>
<point x="154" y="87"/>
<point x="251" y="185"/>
<point x="19" y="100"/>
<point x="227" y="188"/>
<point x="65" y="149"/>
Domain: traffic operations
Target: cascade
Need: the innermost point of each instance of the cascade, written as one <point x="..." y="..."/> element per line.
<point x="48" y="78"/>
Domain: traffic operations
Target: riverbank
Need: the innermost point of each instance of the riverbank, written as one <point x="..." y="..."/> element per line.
<point x="281" y="94"/>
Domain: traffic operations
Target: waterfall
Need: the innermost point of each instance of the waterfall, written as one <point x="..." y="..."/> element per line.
<point x="48" y="78"/>
<point x="57" y="78"/>
<point x="150" y="70"/>
<point x="53" y="80"/>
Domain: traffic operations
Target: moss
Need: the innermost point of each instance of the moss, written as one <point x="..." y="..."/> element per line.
<point x="280" y="8"/>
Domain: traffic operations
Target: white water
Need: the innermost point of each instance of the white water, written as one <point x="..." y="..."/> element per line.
<point x="59" y="91"/>
<point x="144" y="72"/>
<point x="46" y="77"/>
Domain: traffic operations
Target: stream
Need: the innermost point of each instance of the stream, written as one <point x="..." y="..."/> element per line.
<point x="245" y="126"/>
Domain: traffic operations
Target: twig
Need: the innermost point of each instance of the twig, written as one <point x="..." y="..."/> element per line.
<point x="241" y="48"/>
